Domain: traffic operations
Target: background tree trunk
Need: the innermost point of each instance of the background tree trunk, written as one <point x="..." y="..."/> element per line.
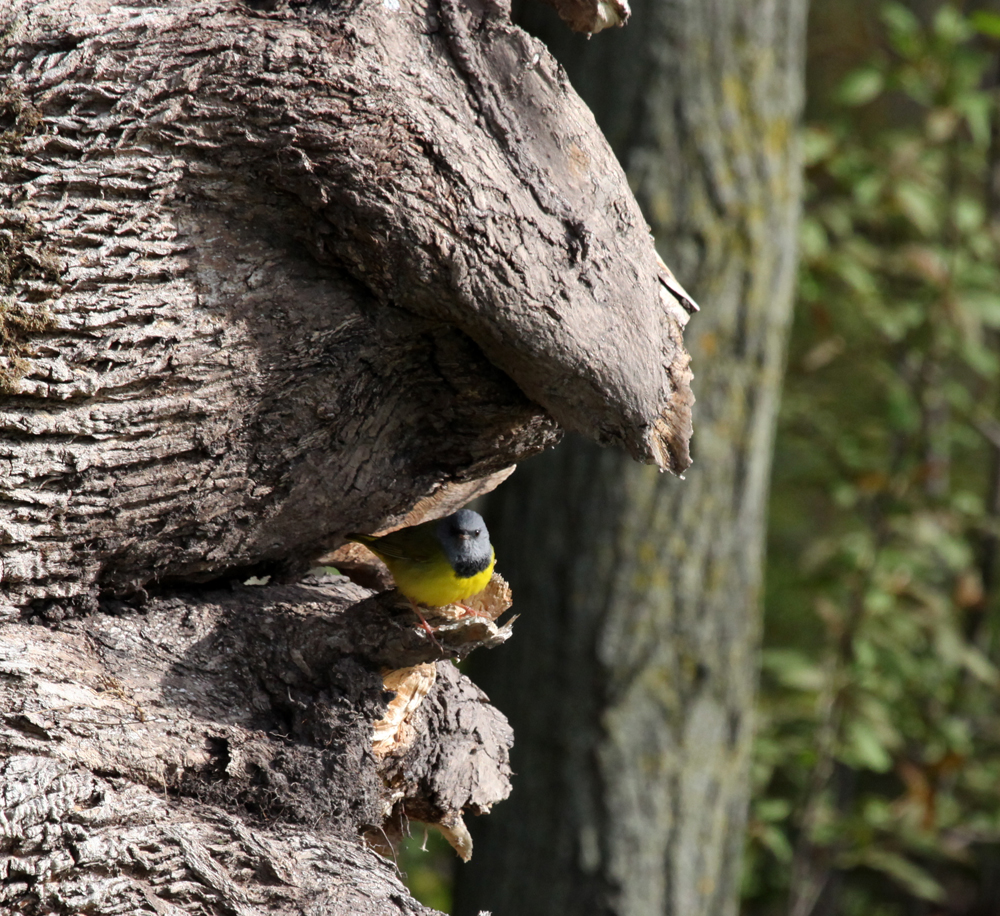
<point x="632" y="696"/>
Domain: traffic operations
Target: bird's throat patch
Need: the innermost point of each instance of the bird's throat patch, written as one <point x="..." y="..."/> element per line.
<point x="467" y="567"/>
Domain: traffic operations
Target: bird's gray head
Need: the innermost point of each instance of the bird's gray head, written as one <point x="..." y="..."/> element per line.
<point x="466" y="542"/>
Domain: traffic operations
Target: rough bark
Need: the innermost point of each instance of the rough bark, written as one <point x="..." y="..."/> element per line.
<point x="640" y="594"/>
<point x="215" y="753"/>
<point x="272" y="275"/>
<point x="271" y="272"/>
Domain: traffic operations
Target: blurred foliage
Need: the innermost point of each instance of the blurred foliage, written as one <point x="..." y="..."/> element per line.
<point x="425" y="861"/>
<point x="877" y="767"/>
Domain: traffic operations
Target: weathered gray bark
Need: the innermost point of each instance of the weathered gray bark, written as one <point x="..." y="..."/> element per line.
<point x="270" y="273"/>
<point x="631" y="695"/>
<point x="270" y="262"/>
<point x="215" y="753"/>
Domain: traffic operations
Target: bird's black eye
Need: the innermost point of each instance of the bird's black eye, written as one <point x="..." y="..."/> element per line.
<point x="477" y="532"/>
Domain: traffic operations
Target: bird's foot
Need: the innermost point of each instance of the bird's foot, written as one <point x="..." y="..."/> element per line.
<point x="470" y="611"/>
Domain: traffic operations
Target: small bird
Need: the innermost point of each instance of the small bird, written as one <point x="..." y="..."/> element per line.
<point x="440" y="562"/>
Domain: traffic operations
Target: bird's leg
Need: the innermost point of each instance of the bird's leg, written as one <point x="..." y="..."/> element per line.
<point x="425" y="624"/>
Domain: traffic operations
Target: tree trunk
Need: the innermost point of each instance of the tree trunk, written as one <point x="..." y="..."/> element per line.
<point x="271" y="273"/>
<point x="632" y="695"/>
<point x="299" y="267"/>
<point x="215" y="753"/>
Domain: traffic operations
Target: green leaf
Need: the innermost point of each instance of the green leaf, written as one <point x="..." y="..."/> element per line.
<point x="861" y="87"/>
<point x="915" y="82"/>
<point x="817" y="145"/>
<point x="983" y="305"/>
<point x="969" y="213"/>
<point x="864" y="653"/>
<point x="863" y="747"/>
<point x="868" y="189"/>
<point x="776" y="842"/>
<point x="813" y="240"/>
<point x="919" y="205"/>
<point x="857" y="276"/>
<point x="905" y="32"/>
<point x="986" y="23"/>
<point x="979" y="666"/>
<point x="877" y="813"/>
<point x="950" y="25"/>
<point x="977" y="107"/>
<point x="902" y="411"/>
<point x="773" y="809"/>
<point x="908" y="875"/>
<point x="900" y="19"/>
<point x="793" y="669"/>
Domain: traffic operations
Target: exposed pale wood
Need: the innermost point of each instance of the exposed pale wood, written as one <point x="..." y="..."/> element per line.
<point x="592" y="16"/>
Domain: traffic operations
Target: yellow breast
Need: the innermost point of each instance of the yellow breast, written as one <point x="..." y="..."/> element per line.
<point x="437" y="584"/>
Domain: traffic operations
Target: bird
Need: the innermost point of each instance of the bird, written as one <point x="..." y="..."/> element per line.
<point x="436" y="563"/>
